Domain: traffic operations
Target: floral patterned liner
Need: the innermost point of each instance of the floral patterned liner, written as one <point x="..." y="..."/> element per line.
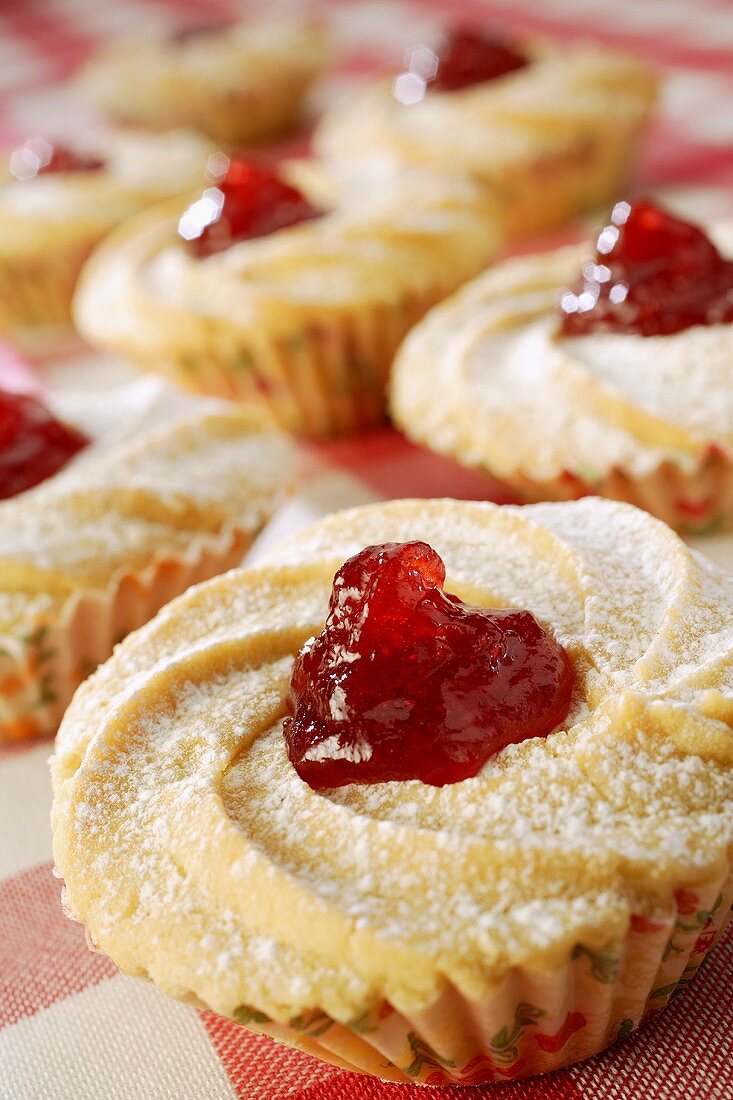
<point x="41" y="668"/>
<point x="326" y="379"/>
<point x="36" y="292"/>
<point x="532" y="1023"/>
<point x="698" y="500"/>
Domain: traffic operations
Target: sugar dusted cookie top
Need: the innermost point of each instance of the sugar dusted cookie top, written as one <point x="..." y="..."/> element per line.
<point x="196" y="856"/>
<point x="130" y="169"/>
<point x="161" y="471"/>
<point x="384" y="248"/>
<point x="556" y="99"/>
<point x="516" y="395"/>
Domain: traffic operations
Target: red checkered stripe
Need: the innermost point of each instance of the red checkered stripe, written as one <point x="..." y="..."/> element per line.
<point x="43" y="42"/>
<point x="45" y="965"/>
<point x="688" y="1051"/>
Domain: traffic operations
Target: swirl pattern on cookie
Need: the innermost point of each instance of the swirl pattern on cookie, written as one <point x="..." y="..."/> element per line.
<point x="137" y="170"/>
<point x="307" y="318"/>
<point x="606" y="410"/>
<point x="199" y="475"/>
<point x="195" y="855"/>
<point x="239" y="83"/>
<point x="94" y="551"/>
<point x="551" y="138"/>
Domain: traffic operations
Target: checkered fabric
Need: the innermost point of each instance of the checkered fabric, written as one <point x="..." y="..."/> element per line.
<point x="71" y="1027"/>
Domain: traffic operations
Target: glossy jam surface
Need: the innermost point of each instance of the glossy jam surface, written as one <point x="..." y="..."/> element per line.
<point x="407" y="682"/>
<point x="652" y="275"/>
<point x="33" y="443"/>
<point x="250" y="201"/>
<point x="471" y="57"/>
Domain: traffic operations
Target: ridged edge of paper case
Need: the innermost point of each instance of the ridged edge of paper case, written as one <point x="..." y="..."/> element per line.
<point x="329" y="379"/>
<point x="41" y="667"/>
<point x="533" y="1022"/>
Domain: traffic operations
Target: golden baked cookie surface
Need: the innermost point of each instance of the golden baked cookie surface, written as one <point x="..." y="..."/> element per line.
<point x="240" y="83"/>
<point x="552" y="138"/>
<point x="94" y="551"/>
<point x="194" y="853"/>
<point x="305" y="319"/>
<point x="613" y="411"/>
<point x="50" y="222"/>
<point x="137" y="169"/>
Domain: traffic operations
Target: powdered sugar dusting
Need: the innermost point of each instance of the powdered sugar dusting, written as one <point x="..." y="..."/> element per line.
<point x="195" y="854"/>
<point x="516" y="398"/>
<point x="491" y="130"/>
<point x="198" y="469"/>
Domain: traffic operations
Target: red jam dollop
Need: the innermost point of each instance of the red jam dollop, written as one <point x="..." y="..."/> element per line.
<point x="653" y="274"/>
<point x="33" y="443"/>
<point x="473" y="57"/>
<point x="408" y="682"/>
<point x="249" y="201"/>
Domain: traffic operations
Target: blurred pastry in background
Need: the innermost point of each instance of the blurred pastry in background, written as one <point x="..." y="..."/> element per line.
<point x="239" y="83"/>
<point x="578" y="372"/>
<point x="57" y="202"/>
<point x="550" y="129"/>
<point x="111" y="503"/>
<point x="253" y="291"/>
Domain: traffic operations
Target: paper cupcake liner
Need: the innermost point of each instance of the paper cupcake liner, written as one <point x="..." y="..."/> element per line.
<point x="255" y="116"/>
<point x="551" y="190"/>
<point x="532" y="1022"/>
<point x="328" y="379"/>
<point x="41" y="670"/>
<point x="36" y="291"/>
<point x="696" y="501"/>
<point x="237" y="116"/>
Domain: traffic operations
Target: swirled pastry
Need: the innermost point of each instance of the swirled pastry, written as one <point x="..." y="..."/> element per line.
<point x="97" y="548"/>
<point x="549" y="129"/>
<point x="238" y="83"/>
<point x="401" y="928"/>
<point x="56" y="204"/>
<point x="231" y="297"/>
<point x="633" y="408"/>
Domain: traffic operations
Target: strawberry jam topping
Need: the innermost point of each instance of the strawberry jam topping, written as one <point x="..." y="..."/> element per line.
<point x="250" y="201"/>
<point x="33" y="443"/>
<point x="472" y="57"/>
<point x="408" y="682"/>
<point x="653" y="274"/>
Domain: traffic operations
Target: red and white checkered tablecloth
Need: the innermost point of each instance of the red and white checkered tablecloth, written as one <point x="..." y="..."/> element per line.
<point x="71" y="1027"/>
